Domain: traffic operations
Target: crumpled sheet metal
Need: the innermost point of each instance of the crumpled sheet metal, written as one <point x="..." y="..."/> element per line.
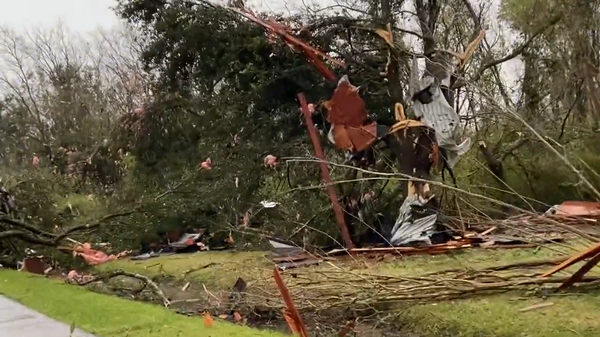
<point x="354" y="139"/>
<point x="576" y="209"/>
<point x="346" y="107"/>
<point x="287" y="256"/>
<point x="440" y="116"/>
<point x="409" y="229"/>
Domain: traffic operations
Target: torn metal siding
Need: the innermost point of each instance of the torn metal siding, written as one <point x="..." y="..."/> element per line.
<point x="438" y="115"/>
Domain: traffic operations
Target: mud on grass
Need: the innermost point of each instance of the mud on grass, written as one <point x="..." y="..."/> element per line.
<point x="497" y="315"/>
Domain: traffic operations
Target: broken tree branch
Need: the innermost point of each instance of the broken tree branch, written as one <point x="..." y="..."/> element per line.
<point x="92" y="225"/>
<point x="516" y="52"/>
<point x="34" y="235"/>
<point x="27" y="237"/>
<point x="145" y="279"/>
<point x="24" y="225"/>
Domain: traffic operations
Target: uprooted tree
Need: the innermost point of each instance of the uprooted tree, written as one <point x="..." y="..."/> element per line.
<point x="126" y="132"/>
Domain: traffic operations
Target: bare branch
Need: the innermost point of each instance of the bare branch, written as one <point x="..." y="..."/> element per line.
<point x="516" y="52"/>
<point x="92" y="225"/>
<point x="26" y="237"/>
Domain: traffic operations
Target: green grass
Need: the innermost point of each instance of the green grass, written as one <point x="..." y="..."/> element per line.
<point x="108" y="316"/>
<point x="498" y="315"/>
<point x="217" y="270"/>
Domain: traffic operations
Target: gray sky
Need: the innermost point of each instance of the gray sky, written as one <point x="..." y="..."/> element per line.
<point x="83" y="15"/>
<point x="79" y="15"/>
<point x="86" y="16"/>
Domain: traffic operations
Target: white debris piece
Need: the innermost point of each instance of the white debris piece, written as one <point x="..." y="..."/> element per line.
<point x="269" y="204"/>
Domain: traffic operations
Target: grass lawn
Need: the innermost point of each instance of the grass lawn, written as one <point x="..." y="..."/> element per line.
<point x="498" y="315"/>
<point x="108" y="316"/>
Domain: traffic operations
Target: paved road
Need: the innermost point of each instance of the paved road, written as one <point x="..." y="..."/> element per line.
<point x="16" y="320"/>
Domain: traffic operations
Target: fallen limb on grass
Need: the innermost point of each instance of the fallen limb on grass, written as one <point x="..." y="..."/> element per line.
<point x="341" y="288"/>
<point x="147" y="282"/>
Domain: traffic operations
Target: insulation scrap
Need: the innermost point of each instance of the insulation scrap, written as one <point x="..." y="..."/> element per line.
<point x="95" y="257"/>
<point x="270" y="161"/>
<point x="206" y="165"/>
<point x="74" y="277"/>
<point x="576" y="208"/>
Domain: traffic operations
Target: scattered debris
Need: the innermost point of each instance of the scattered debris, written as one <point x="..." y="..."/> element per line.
<point x="270" y="161"/>
<point x="240" y="285"/>
<point x="325" y="175"/>
<point x="74" y="277"/>
<point x="347" y="328"/>
<point x="186" y="286"/>
<point x="208" y="320"/>
<point x="274" y="28"/>
<point x="269" y="204"/>
<point x="145" y="256"/>
<point x="282" y="247"/>
<point x="206" y="164"/>
<point x="34" y="265"/>
<point x="593" y="253"/>
<point x="350" y="129"/>
<point x="189" y="241"/>
<point x="85" y="280"/>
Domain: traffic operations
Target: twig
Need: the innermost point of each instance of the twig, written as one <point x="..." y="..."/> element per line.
<point x="536" y="306"/>
<point x="193" y="270"/>
<point x="210" y="294"/>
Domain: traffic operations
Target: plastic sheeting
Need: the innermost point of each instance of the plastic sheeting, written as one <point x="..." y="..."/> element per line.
<point x="440" y="116"/>
<point x="410" y="227"/>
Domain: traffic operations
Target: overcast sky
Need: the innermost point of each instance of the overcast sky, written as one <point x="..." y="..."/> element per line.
<point x="78" y="15"/>
<point x="86" y="16"/>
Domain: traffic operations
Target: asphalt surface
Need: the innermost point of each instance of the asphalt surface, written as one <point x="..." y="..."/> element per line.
<point x="16" y="320"/>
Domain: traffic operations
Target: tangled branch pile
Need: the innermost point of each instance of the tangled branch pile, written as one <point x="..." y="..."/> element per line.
<point x="342" y="289"/>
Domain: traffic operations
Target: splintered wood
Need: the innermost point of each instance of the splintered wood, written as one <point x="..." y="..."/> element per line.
<point x="593" y="253"/>
<point x="291" y="315"/>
